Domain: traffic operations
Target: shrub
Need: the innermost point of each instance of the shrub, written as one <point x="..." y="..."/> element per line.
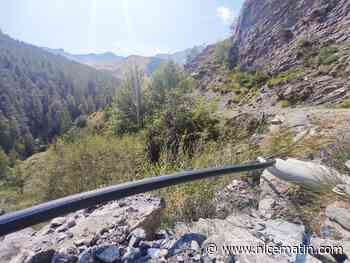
<point x="247" y="80"/>
<point x="285" y="77"/>
<point x="261" y="77"/>
<point x="88" y="163"/>
<point x="345" y="104"/>
<point x="178" y="130"/>
<point x="4" y="163"/>
<point x="337" y="154"/>
<point x="327" y="56"/>
<point x="236" y="99"/>
<point x="324" y="57"/>
<point x="194" y="200"/>
<point x="304" y="43"/>
<point x="285" y="103"/>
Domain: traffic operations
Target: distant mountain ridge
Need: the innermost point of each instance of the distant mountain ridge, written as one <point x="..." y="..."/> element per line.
<point x="182" y="57"/>
<point x="86" y="58"/>
<point x="117" y="65"/>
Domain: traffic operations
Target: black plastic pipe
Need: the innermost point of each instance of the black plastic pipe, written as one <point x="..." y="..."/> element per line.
<point x="16" y="221"/>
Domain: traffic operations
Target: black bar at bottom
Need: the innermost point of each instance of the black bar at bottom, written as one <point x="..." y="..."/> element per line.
<point x="16" y="221"/>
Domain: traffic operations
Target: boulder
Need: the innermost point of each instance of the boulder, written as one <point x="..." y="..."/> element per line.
<point x="340" y="213"/>
<point x="12" y="244"/>
<point x="89" y="234"/>
<point x="266" y="207"/>
<point x="59" y="221"/>
<point x="136" y="236"/>
<point x="108" y="254"/>
<point x="133" y="255"/>
<point x="347" y="164"/>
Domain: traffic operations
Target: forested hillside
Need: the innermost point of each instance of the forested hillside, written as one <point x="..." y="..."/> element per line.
<point x="41" y="94"/>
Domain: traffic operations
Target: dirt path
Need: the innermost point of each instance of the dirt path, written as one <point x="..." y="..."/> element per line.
<point x="331" y="121"/>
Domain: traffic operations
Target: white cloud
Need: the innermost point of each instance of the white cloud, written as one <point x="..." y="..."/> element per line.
<point x="226" y="14"/>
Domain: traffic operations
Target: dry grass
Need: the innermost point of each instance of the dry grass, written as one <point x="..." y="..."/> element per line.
<point x="283" y="143"/>
<point x="96" y="160"/>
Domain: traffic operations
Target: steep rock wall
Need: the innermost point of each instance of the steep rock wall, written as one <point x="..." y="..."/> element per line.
<point x="268" y="31"/>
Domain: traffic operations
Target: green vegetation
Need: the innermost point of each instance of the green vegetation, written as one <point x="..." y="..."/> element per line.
<point x="153" y="127"/>
<point x="87" y="163"/>
<point x="4" y="164"/>
<point x="315" y="57"/>
<point x="236" y="99"/>
<point x="129" y="108"/>
<point x="243" y="84"/>
<point x="247" y="80"/>
<point x="285" y="103"/>
<point x="179" y="129"/>
<point x="345" y="104"/>
<point x="42" y="94"/>
<point x="285" y="77"/>
<point x="133" y="139"/>
<point x="337" y="154"/>
<point x="304" y="43"/>
<point x="327" y="56"/>
<point x="222" y="52"/>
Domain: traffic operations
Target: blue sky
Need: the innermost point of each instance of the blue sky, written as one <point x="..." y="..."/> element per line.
<point x="143" y="27"/>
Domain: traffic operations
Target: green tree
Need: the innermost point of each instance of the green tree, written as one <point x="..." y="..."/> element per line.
<point x="13" y="157"/>
<point x="222" y="52"/>
<point x="6" y="137"/>
<point x="65" y="120"/>
<point x="167" y="85"/>
<point x="129" y="109"/>
<point x="4" y="163"/>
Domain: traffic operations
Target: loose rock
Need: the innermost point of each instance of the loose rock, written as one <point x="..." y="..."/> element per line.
<point x="108" y="254"/>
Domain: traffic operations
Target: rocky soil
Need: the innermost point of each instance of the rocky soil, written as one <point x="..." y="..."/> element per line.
<point x="249" y="212"/>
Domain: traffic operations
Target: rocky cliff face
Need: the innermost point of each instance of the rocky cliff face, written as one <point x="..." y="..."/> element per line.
<point x="276" y="36"/>
<point x="268" y="32"/>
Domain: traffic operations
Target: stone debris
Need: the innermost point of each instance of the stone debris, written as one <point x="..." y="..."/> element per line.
<point x="278" y="120"/>
<point x="258" y="213"/>
<point x="87" y="235"/>
<point x="347" y="164"/>
<point x="339" y="214"/>
<point x="108" y="254"/>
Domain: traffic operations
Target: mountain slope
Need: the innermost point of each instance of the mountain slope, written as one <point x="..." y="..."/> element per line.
<point x="301" y="46"/>
<point x="182" y="57"/>
<point x="41" y="94"/>
<point x="89" y="59"/>
<point x="117" y="65"/>
<point x="111" y="63"/>
<point x="268" y="32"/>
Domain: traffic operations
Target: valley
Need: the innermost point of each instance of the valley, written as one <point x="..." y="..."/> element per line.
<point x="278" y="87"/>
<point x="117" y="65"/>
